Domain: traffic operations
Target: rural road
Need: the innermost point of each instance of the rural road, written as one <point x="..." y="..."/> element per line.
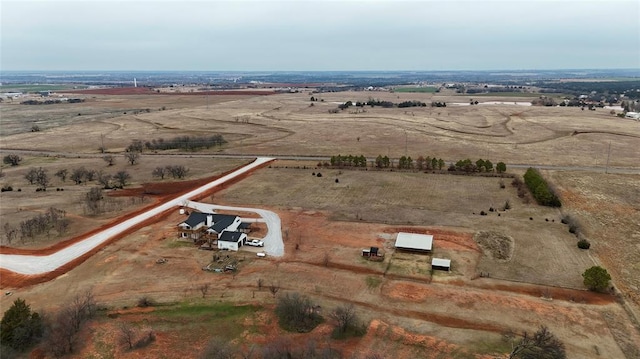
<point x="602" y="169"/>
<point x="34" y="265"/>
<point x="273" y="244"/>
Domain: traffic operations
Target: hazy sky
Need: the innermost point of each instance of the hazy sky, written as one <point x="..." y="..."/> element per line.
<point x="318" y="35"/>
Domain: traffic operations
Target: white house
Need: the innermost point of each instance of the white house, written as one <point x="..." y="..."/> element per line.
<point x="198" y="224"/>
<point x="223" y="222"/>
<point x="231" y="241"/>
<point x="414" y="242"/>
<point x="195" y="224"/>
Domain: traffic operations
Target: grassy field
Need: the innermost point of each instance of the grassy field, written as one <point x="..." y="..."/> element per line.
<point x="414" y="198"/>
<point x="426" y="89"/>
<point x="29" y="88"/>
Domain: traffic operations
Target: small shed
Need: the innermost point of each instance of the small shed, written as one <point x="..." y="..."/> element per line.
<point x="414" y="242"/>
<point x="441" y="264"/>
<point x="373" y="251"/>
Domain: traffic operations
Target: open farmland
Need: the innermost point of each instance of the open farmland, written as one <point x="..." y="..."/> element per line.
<point x="326" y="224"/>
<point x="544" y="251"/>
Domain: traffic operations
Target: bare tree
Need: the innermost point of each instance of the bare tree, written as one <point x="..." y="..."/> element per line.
<point x="63" y="330"/>
<point x="260" y="283"/>
<point x="78" y="175"/>
<point x="159" y="172"/>
<point x="61" y="336"/>
<point x="31" y="176"/>
<point x="38" y="176"/>
<point x="346" y="317"/>
<point x="204" y="289"/>
<point x="326" y="259"/>
<point x="122" y="177"/>
<point x="43" y="179"/>
<point x="81" y="309"/>
<point x="127" y="334"/>
<point x="132" y="157"/>
<point x="541" y="344"/>
<point x="177" y="171"/>
<point x="274" y="288"/>
<point x="105" y="180"/>
<point x="109" y="159"/>
<point x="90" y="175"/>
<point x="62" y="174"/>
<point x="92" y="200"/>
<point x="10" y="232"/>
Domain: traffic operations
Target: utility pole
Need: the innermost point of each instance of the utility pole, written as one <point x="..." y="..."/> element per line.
<point x="207" y="99"/>
<point x="606" y="169"/>
<point x="406" y="142"/>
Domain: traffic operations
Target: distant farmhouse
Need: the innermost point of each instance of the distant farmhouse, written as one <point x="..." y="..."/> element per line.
<point x="228" y="231"/>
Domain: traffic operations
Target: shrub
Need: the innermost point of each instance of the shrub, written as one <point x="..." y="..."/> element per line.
<point x="596" y="278"/>
<point x="584" y="244"/>
<point x="144" y="302"/>
<point x="20" y="326"/>
<point x="297" y="313"/>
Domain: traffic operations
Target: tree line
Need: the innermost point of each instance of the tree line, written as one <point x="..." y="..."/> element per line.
<point x="421" y="163"/>
<point x="52" y="219"/>
<point x="187" y="143"/>
<point x="387" y="104"/>
<point x="348" y="161"/>
<point x="543" y="193"/>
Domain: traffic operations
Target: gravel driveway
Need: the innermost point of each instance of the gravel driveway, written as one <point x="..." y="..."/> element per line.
<point x="273" y="244"/>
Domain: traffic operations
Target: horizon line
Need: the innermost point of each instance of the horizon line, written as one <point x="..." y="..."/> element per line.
<point x="336" y="70"/>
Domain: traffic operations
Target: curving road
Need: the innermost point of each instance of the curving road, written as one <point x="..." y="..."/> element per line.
<point x="34" y="265"/>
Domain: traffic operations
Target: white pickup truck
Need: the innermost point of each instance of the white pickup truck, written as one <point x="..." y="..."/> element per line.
<point x="255" y="243"/>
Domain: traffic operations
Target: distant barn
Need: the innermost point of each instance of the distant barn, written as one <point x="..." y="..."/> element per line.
<point x="414" y="242"/>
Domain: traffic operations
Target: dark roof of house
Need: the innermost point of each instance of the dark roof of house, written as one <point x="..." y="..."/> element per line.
<point x="228" y="236"/>
<point x="196" y="218"/>
<point x="221" y="222"/>
<point x="244" y="225"/>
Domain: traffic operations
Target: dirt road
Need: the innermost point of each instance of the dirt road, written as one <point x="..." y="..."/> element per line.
<point x="34" y="265"/>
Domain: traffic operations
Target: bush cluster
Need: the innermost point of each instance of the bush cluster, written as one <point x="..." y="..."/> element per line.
<point x="584" y="244"/>
<point x="53" y="218"/>
<point x="297" y="313"/>
<point x="348" y="161"/>
<point x="187" y="143"/>
<point x="540" y="189"/>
